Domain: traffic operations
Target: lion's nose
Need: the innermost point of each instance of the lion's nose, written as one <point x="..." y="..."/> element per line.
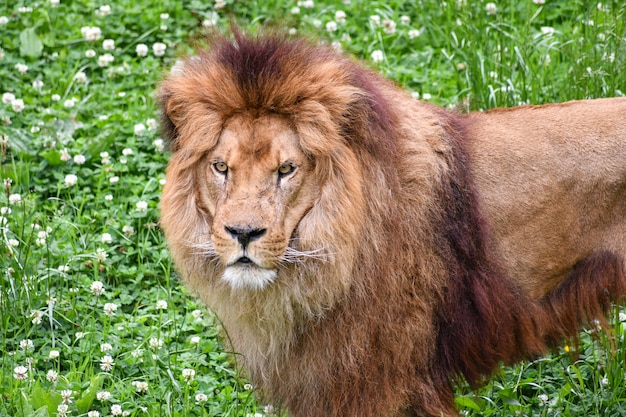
<point x="245" y="235"/>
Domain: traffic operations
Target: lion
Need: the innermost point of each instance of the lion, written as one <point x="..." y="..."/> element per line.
<point x="366" y="251"/>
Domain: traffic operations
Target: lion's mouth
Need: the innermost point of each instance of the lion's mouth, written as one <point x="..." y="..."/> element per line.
<point x="244" y="260"/>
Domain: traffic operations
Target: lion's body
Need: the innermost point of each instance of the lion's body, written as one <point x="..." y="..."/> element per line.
<point x="363" y="249"/>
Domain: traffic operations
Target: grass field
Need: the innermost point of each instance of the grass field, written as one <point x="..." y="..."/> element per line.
<point x="93" y="321"/>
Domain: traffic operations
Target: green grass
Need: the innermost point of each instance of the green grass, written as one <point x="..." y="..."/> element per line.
<point x="59" y="238"/>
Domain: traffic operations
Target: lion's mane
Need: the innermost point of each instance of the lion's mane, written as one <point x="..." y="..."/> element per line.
<point x="409" y="298"/>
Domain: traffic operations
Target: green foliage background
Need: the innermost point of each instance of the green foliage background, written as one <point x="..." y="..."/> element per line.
<point x="86" y="121"/>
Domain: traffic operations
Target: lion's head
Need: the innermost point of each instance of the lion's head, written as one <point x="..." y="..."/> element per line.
<point x="265" y="185"/>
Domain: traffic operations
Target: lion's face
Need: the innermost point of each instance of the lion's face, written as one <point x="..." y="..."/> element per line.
<point x="256" y="185"/>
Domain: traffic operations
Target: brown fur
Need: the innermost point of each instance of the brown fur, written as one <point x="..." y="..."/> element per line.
<point x="409" y="247"/>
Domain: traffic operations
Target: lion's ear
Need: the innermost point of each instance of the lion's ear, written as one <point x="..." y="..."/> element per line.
<point x="168" y="127"/>
<point x="172" y="115"/>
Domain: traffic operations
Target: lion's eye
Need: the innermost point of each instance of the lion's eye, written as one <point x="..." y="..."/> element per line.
<point x="220" y="167"/>
<point x="285" y="169"/>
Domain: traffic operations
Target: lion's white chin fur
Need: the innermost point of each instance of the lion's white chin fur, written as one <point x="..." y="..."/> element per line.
<point x="248" y="277"/>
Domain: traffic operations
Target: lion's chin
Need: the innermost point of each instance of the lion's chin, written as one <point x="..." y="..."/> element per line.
<point x="248" y="276"/>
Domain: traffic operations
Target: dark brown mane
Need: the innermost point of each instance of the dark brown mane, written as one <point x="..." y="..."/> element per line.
<point x="275" y="74"/>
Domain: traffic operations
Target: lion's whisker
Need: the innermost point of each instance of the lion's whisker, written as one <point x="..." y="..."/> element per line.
<point x="293" y="255"/>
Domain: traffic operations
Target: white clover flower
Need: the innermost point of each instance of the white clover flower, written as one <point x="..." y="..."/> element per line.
<point x="70" y="180"/>
<point x="24" y="9"/>
<point x="331" y="26"/>
<point x="161" y="305"/>
<point x="8" y="98"/>
<point x="137" y="353"/>
<point x="106" y="363"/>
<point x="90" y="53"/>
<point x="79" y="335"/>
<point x="248" y="387"/>
<point x="21" y="68"/>
<point x="79" y="159"/>
<point x="405" y="20"/>
<point x="106" y="347"/>
<point x="375" y="20"/>
<point x="139" y="129"/>
<point x="67" y="396"/>
<point x="547" y="30"/>
<point x="97" y="288"/>
<point x="93" y="413"/>
<point x="54" y="354"/>
<point x="269" y="409"/>
<point x="14" y="242"/>
<point x="389" y="26"/>
<point x="307" y="4"/>
<point x="105" y="60"/>
<point x="26" y="344"/>
<point x="127" y="152"/>
<point x="159" y="144"/>
<point x="108" y="197"/>
<point x="165" y="16"/>
<point x="36" y="316"/>
<point x="20" y="373"/>
<point x="491" y="8"/>
<point x="142" y="206"/>
<point x="55" y="97"/>
<point x="103" y="11"/>
<point x="63" y="268"/>
<point x="5" y="210"/>
<point x="197" y="314"/>
<point x="103" y="395"/>
<point x="377" y="56"/>
<point x="426" y="96"/>
<point x="152" y="124"/>
<point x="52" y="376"/>
<point x="62" y="410"/>
<point x="539" y="2"/>
<point x="69" y="103"/>
<point x="81" y="77"/>
<point x="116" y="410"/>
<point x="4" y="20"/>
<point x="543" y="399"/>
<point x="110" y="309"/>
<point x="295" y="10"/>
<point x="201" y="398"/>
<point x="37" y="84"/>
<point x="108" y="45"/>
<point x="340" y="16"/>
<point x="128" y="230"/>
<point x="140" y="386"/>
<point x="17" y="105"/>
<point x="219" y="4"/>
<point x="91" y="33"/>
<point x="65" y="155"/>
<point x="188" y="374"/>
<point x="155" y="343"/>
<point x="54" y="3"/>
<point x="114" y="179"/>
<point x="158" y="49"/>
<point x="141" y="49"/>
<point x="317" y="23"/>
<point x="194" y="340"/>
<point x="211" y="20"/>
<point x="106" y="238"/>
